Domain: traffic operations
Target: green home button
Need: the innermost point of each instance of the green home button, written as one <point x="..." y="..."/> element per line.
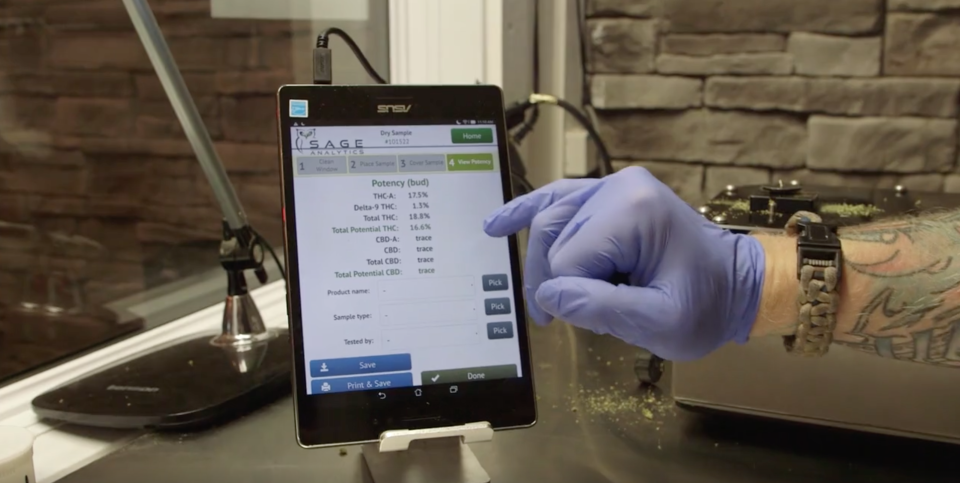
<point x="472" y="136"/>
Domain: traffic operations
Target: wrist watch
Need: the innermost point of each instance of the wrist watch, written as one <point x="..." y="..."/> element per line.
<point x="819" y="263"/>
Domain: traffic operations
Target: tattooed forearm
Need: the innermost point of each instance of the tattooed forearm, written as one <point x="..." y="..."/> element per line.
<point x="904" y="284"/>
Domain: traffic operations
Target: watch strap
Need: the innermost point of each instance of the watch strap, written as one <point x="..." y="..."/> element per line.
<point x="818" y="272"/>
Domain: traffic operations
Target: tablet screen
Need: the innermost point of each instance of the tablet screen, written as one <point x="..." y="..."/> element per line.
<point x="399" y="285"/>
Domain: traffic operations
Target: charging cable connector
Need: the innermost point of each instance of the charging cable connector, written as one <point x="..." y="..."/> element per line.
<point x="323" y="58"/>
<point x="322" y="62"/>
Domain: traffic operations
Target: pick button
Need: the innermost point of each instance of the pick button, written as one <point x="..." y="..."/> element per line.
<point x="497" y="306"/>
<point x="494" y="283"/>
<point x="499" y="330"/>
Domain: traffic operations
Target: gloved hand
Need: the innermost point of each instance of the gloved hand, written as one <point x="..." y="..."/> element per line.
<point x="693" y="286"/>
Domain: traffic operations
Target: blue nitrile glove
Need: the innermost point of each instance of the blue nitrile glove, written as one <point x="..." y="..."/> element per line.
<point x="693" y="286"/>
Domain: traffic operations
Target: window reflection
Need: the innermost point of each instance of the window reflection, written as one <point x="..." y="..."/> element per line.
<point x="102" y="203"/>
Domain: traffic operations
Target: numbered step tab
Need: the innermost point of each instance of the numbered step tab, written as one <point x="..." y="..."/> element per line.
<point x="321" y="165"/>
<point x="418" y="163"/>
<point x="470" y="162"/>
<point x="373" y="164"/>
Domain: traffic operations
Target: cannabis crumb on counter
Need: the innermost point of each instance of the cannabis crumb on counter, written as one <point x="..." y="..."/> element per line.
<point x="732" y="205"/>
<point x="343" y="451"/>
<point x="845" y="210"/>
<point x="624" y="406"/>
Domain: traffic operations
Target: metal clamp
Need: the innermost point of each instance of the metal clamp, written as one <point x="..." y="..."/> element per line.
<point x="428" y="455"/>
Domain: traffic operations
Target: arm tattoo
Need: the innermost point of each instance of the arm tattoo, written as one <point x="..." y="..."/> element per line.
<point x="913" y="312"/>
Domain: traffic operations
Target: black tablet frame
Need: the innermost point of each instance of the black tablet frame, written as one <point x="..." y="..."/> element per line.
<point x="359" y="417"/>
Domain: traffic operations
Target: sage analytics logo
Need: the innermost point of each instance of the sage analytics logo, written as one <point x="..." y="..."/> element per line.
<point x="298" y="108"/>
<point x="306" y="138"/>
<point x="305" y="141"/>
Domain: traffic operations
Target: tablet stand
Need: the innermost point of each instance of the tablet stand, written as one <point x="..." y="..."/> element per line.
<point x="437" y="455"/>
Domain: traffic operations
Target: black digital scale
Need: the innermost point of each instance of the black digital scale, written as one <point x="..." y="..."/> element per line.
<point x="768" y="207"/>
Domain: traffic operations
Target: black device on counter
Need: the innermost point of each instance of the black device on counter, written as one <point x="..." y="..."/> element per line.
<point x="767" y="208"/>
<point x="404" y="314"/>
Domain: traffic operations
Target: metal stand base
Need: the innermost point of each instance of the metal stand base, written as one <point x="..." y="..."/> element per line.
<point x="438" y="455"/>
<point x="242" y="324"/>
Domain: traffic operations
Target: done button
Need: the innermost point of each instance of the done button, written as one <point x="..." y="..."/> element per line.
<point x="469" y="374"/>
<point x="472" y="136"/>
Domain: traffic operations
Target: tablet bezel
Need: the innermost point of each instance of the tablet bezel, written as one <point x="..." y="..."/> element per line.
<point x="360" y="417"/>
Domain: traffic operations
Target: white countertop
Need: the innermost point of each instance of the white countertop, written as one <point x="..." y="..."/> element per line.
<point x="61" y="449"/>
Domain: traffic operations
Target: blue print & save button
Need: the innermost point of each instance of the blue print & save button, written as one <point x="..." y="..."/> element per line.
<point x="360" y="365"/>
<point x="361" y="383"/>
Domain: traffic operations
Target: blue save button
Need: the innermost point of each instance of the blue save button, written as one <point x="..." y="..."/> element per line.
<point x="361" y="383"/>
<point x="360" y="365"/>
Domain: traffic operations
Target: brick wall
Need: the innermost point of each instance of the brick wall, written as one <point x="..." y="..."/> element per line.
<point x="90" y="147"/>
<point x="707" y="93"/>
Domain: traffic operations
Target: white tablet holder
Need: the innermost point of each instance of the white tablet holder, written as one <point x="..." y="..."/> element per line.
<point x="437" y="455"/>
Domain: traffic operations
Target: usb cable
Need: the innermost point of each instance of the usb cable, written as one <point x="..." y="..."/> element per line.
<point x="516" y="115"/>
<point x="323" y="58"/>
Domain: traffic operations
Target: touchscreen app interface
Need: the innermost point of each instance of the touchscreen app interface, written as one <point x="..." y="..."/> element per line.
<point x="399" y="285"/>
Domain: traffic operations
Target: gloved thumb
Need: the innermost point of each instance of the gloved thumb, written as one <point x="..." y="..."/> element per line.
<point x="629" y="313"/>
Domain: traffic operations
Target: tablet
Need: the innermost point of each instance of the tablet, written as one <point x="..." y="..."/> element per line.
<point x="403" y="313"/>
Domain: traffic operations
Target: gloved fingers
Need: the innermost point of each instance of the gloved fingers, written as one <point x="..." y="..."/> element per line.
<point x="544" y="229"/>
<point x="605" y="235"/>
<point x="633" y="314"/>
<point x="596" y="244"/>
<point x="519" y="213"/>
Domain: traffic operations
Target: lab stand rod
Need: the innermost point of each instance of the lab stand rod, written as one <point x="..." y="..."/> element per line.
<point x="159" y="52"/>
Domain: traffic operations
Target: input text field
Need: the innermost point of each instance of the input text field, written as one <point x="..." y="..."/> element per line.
<point x="421" y="337"/>
<point x="429" y="313"/>
<point x="426" y="288"/>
